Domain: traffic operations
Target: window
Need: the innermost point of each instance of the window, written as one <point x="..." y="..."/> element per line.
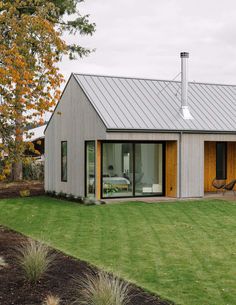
<point x="90" y="180"/>
<point x="64" y="161"/>
<point x="221" y="160"/>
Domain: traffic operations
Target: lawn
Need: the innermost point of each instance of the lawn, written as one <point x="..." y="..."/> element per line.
<point x="184" y="251"/>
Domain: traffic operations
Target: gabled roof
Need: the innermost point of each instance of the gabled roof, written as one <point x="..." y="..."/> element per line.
<point x="148" y="105"/>
<point x="33" y="134"/>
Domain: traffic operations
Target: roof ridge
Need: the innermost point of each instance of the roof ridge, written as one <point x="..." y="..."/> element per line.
<point x="151" y="79"/>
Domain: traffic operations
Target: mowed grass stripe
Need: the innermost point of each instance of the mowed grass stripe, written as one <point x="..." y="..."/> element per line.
<point x="184" y="251"/>
<point x="216" y="246"/>
<point x="188" y="234"/>
<point x="219" y="249"/>
<point x="180" y="254"/>
<point x="142" y="255"/>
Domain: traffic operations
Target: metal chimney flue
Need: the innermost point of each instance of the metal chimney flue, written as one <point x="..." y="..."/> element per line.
<point x="185" y="112"/>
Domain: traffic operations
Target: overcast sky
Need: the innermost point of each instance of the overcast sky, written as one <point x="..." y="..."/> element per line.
<point x="144" y="39"/>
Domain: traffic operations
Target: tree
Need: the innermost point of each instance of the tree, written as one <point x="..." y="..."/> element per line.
<point x="31" y="46"/>
<point x="6" y="143"/>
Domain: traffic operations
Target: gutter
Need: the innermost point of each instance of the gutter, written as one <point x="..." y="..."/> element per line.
<point x="171" y="131"/>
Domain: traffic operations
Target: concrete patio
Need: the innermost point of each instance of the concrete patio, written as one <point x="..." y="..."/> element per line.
<point x="229" y="196"/>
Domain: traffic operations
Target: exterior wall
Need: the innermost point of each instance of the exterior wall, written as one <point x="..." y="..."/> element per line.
<point x="192" y="160"/>
<point x="74" y="121"/>
<point x="142" y="136"/>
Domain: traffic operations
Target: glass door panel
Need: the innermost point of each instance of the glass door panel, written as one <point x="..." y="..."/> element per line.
<point x="117" y="169"/>
<point x="148" y="169"/>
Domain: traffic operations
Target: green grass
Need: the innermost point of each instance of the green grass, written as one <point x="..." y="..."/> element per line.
<point x="184" y="251"/>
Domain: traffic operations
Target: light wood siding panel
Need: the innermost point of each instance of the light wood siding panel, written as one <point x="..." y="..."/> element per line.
<point x="171" y="168"/>
<point x="231" y="161"/>
<point x="210" y="164"/>
<point x="74" y="121"/>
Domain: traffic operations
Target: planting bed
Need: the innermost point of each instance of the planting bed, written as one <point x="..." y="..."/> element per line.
<point x="15" y="291"/>
<point x="11" y="190"/>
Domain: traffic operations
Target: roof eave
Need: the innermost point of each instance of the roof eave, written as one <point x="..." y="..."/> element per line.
<point x="170" y="131"/>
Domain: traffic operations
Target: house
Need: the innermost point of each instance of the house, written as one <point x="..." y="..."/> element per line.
<point x="124" y="137"/>
<point x="37" y="137"/>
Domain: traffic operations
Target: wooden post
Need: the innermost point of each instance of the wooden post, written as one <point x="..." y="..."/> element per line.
<point x="98" y="170"/>
<point x="209" y="165"/>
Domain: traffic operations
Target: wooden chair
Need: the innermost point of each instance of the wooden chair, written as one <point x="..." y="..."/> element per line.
<point x="218" y="184"/>
<point x="229" y="187"/>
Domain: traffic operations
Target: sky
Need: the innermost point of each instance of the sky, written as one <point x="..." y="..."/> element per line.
<point x="144" y="38"/>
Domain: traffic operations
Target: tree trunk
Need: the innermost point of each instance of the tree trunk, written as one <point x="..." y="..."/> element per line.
<point x="17" y="166"/>
<point x="17" y="171"/>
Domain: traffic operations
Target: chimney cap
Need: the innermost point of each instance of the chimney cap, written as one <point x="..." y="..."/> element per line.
<point x="184" y="55"/>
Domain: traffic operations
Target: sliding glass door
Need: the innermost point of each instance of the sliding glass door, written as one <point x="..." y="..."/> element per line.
<point x="148" y="169"/>
<point x="90" y="169"/>
<point x="117" y="170"/>
<point x="129" y="162"/>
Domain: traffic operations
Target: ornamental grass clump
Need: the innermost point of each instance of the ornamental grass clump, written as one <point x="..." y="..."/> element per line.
<point x="102" y="289"/>
<point x="2" y="262"/>
<point x="52" y="300"/>
<point x="35" y="259"/>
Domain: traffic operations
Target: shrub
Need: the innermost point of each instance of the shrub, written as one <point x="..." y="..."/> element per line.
<point x="35" y="259"/>
<point x="61" y="195"/>
<point x="24" y="193"/>
<point x="52" y="300"/>
<point x="51" y="193"/>
<point x="88" y="201"/>
<point x="102" y="289"/>
<point x="33" y="170"/>
<point x="70" y="197"/>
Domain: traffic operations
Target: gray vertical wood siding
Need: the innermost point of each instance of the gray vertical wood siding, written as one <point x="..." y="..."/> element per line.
<point x="74" y="121"/>
<point x="192" y="166"/>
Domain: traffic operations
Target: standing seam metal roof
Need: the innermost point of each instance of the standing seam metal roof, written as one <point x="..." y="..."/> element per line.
<point x="145" y="104"/>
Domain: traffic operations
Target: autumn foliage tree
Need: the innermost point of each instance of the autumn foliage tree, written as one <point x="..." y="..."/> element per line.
<point x="31" y="46"/>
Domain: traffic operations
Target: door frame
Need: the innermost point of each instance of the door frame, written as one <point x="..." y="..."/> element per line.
<point x="133" y="148"/>
<point x="85" y="167"/>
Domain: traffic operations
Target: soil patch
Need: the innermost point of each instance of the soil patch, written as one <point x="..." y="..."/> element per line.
<point x="15" y="291"/>
<point x="12" y="190"/>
